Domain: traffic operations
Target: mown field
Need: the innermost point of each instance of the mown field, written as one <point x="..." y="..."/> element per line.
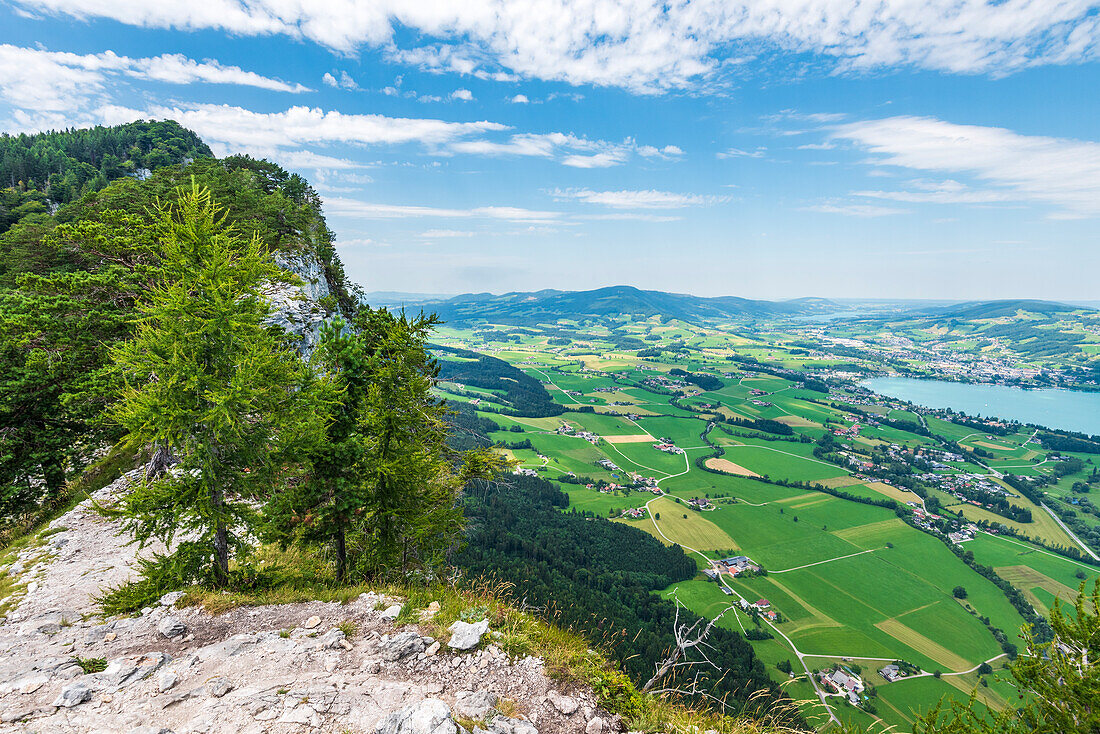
<point x="851" y="580"/>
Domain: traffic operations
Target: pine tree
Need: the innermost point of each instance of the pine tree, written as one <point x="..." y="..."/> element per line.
<point x="383" y="487"/>
<point x="209" y="383"/>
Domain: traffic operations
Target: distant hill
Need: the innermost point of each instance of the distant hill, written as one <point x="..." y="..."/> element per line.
<point x="613" y="301"/>
<point x="997" y="309"/>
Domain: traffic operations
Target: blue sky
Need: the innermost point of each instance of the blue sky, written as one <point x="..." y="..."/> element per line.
<point x="944" y="149"/>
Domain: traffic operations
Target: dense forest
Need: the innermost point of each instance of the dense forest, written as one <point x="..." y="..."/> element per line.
<point x="70" y="282"/>
<point x="597" y="577"/>
<point x="39" y="172"/>
<point x="525" y="394"/>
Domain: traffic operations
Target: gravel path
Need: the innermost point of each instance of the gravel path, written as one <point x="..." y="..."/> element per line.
<point x="280" y="668"/>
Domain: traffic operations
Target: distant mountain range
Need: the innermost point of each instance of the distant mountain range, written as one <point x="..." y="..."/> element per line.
<point x="521" y="307"/>
<point x="997" y="309"/>
<point x="610" y="301"/>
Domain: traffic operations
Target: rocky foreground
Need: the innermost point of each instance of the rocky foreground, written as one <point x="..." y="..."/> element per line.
<point x="281" y="668"/>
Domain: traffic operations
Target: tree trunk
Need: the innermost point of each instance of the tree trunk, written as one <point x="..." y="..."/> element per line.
<point x="159" y="462"/>
<point x="221" y="543"/>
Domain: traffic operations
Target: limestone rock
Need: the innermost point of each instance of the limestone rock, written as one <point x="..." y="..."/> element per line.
<point x="565" y="704"/>
<point x="475" y="704"/>
<point x="465" y="636"/>
<point x="171" y="598"/>
<point x="391" y="612"/>
<point x="166" y="680"/>
<point x="505" y="725"/>
<point x="312" y="622"/>
<point x="171" y="627"/>
<point x="73" y="694"/>
<point x="596" y="726"/>
<point x="402" y="645"/>
<point x="218" y="687"/>
<point x="430" y="716"/>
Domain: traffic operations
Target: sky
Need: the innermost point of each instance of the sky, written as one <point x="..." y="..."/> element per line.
<point x="766" y="149"/>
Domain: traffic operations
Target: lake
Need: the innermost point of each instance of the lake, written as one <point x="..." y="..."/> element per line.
<point x="1066" y="409"/>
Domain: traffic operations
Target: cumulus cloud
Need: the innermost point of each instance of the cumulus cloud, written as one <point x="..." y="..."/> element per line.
<point x="572" y="150"/>
<point x="519" y="99"/>
<point x="463" y="95"/>
<point x="242" y="129"/>
<point x="637" y="199"/>
<point x="1005" y="165"/>
<point x="344" y="82"/>
<point x="41" y="80"/>
<point x="646" y="45"/>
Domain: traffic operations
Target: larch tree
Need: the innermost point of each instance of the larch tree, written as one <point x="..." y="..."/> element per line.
<point x="383" y="486"/>
<point x="208" y="382"/>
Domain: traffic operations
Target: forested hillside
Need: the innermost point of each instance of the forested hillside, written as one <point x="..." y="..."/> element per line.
<point x="596" y="577"/>
<point x="69" y="284"/>
<point x="39" y="172"/>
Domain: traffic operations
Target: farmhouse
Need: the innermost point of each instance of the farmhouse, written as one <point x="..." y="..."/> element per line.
<point x="668" y="448"/>
<point x="737" y="564"/>
<point x="890" y="672"/>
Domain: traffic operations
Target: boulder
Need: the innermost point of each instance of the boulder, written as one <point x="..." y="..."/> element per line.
<point x="465" y="636"/>
<point x="171" y="627"/>
<point x="430" y="716"/>
<point x="475" y="704"/>
<point x="166" y="680"/>
<point x="505" y="725"/>
<point x="402" y="645"/>
<point x="596" y="726"/>
<point x="171" y="598"/>
<point x="73" y="694"/>
<point x="218" y="687"/>
<point x="565" y="704"/>
<point x="312" y="622"/>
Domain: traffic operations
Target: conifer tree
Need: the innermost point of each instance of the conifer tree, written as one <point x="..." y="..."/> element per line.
<point x="210" y="383"/>
<point x="384" y="486"/>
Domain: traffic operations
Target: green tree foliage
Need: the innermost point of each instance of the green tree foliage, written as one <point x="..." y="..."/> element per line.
<point x="384" y="477"/>
<point x="68" y="288"/>
<point x="598" y="577"/>
<point x="1059" y="682"/>
<point x="52" y="168"/>
<point x="209" y="383"/>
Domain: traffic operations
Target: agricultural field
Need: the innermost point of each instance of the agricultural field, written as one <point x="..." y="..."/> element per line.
<point x="845" y="499"/>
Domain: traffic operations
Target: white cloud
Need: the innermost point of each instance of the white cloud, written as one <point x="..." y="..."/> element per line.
<point x="344" y="82"/>
<point x="370" y="210"/>
<point x="572" y="150"/>
<point x="855" y="210"/>
<point x="738" y="153"/>
<point x="444" y="233"/>
<point x="464" y="95"/>
<point x="45" y="81"/>
<point x="241" y="129"/>
<point x="644" y="199"/>
<point x="1056" y="171"/>
<point x="519" y="99"/>
<point x="646" y="45"/>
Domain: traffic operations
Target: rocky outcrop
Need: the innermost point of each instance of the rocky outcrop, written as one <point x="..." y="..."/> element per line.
<point x="300" y="308"/>
<point x="280" y="668"/>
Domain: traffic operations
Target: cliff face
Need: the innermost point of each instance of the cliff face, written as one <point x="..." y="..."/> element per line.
<point x="301" y="309"/>
<point x="318" y="667"/>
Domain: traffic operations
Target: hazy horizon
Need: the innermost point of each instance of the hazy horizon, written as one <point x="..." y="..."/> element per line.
<point x="943" y="150"/>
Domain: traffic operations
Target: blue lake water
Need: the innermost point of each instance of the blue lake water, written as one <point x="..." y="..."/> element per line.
<point x="1066" y="409"/>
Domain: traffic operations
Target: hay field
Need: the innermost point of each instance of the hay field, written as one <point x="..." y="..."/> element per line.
<point x="730" y="468"/>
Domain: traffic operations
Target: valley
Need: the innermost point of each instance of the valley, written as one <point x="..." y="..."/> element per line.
<point x="874" y="532"/>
